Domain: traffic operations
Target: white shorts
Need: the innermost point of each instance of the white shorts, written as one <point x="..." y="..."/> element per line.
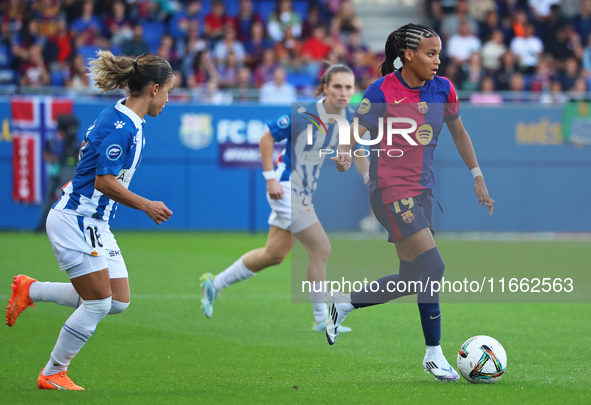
<point x="289" y="213"/>
<point x="84" y="245"/>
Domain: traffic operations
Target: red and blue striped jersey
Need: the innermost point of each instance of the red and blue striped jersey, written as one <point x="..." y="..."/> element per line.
<point x="429" y="106"/>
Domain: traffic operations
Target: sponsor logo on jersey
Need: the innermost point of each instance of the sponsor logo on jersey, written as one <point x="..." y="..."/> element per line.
<point x="424" y="134"/>
<point x="114" y="152"/>
<point x="124" y="177"/>
<point x="119" y="124"/>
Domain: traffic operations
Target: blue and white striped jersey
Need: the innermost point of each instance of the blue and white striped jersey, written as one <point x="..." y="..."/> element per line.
<point x="113" y="145"/>
<point x="300" y="162"/>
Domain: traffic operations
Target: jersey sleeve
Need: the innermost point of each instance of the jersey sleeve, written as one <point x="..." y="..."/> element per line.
<point x="112" y="152"/>
<point x="280" y="128"/>
<point x="452" y="105"/>
<point x="371" y="108"/>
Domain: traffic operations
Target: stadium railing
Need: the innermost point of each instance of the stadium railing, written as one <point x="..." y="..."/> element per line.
<point x="231" y="96"/>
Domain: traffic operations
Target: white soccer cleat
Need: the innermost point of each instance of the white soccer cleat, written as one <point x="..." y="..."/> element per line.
<point x="440" y="367"/>
<point x="321" y="327"/>
<point x="209" y="294"/>
<point x="336" y="315"/>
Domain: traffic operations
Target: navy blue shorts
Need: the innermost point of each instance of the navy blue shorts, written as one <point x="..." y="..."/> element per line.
<point x="405" y="217"/>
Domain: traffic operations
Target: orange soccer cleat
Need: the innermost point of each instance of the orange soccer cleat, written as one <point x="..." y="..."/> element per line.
<point x="19" y="300"/>
<point x="59" y="381"/>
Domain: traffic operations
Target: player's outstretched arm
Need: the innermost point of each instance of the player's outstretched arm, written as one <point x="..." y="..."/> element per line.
<point x="466" y="149"/>
<point x="109" y="186"/>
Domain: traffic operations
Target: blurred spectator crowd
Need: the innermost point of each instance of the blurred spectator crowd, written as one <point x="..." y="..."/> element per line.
<point x="276" y="51"/>
<point x="530" y="48"/>
<point x="221" y="51"/>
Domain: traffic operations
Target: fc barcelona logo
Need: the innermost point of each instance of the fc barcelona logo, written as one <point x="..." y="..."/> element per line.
<point x="423" y="108"/>
<point x="408" y="216"/>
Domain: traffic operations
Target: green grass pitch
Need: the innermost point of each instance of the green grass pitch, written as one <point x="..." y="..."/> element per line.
<point x="258" y="347"/>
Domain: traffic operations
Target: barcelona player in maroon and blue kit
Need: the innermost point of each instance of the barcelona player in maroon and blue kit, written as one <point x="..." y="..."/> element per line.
<point x="415" y="103"/>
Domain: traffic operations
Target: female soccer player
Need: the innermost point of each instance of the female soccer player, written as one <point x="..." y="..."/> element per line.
<point x="78" y="224"/>
<point x="400" y="186"/>
<point x="290" y="188"/>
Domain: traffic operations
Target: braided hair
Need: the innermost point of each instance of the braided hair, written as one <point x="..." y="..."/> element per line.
<point x="408" y="36"/>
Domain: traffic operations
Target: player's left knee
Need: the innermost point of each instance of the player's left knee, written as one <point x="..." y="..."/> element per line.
<point x="431" y="264"/>
<point x="118" y="307"/>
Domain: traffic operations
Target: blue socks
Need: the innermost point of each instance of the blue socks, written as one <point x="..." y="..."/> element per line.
<point x="427" y="267"/>
<point x="365" y="298"/>
<point x="430" y="267"/>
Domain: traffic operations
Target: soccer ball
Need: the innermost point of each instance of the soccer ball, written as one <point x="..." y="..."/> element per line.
<point x="482" y="360"/>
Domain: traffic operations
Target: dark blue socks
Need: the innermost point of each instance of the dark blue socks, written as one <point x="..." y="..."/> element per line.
<point x="430" y="267"/>
<point x="365" y="298"/>
<point x="413" y="278"/>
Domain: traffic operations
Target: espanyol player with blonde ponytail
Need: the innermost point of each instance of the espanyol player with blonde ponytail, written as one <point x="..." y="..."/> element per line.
<point x="78" y="225"/>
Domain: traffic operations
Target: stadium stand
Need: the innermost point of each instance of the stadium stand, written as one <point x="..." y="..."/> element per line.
<point x="506" y="31"/>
